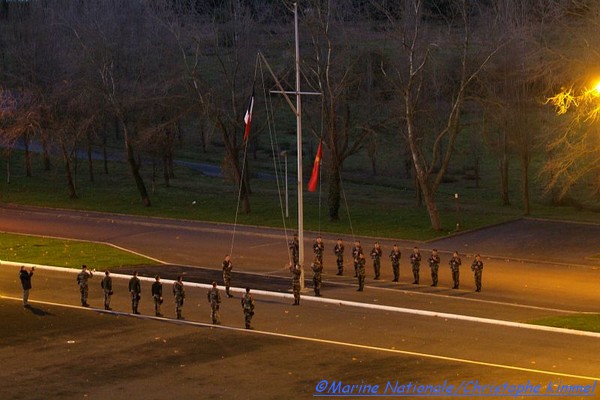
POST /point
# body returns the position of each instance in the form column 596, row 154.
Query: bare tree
column 349, row 85
column 428, row 50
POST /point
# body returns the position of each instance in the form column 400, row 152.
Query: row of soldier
column 376, row 254
column 135, row 290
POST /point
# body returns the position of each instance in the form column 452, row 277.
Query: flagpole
column 299, row 147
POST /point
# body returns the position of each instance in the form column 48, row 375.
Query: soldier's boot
column 228, row 294
column 178, row 314
column 318, row 292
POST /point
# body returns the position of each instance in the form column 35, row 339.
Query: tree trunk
column 8, row 166
column 69, row 172
column 90, row 159
column 504, row 171
column 166, row 173
column 134, row 167
column 333, row 198
column 525, row 178
column 46, row 153
column 27, row 155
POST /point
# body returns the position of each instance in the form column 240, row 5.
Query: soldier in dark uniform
column 339, row 253
column 361, row 272
column 106, row 286
column 434, row 264
column 317, row 268
column 395, row 258
column 455, row 263
column 477, row 268
column 356, row 251
column 248, row 307
column 296, row 274
column 227, row 267
column 318, row 249
column 135, row 290
column 157, row 295
column 294, row 246
column 82, row 281
column 179, row 293
column 214, row 298
column 376, row 253
column 25, row 277
column 415, row 261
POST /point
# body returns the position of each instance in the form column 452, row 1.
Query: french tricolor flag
column 248, row 117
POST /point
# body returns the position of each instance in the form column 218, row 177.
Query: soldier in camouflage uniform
column 339, row 253
column 214, row 298
column 248, row 307
column 434, row 264
column 318, row 249
column 135, row 289
column 157, row 295
column 296, row 274
column 227, row 267
column 477, row 268
column 361, row 272
column 317, row 268
column 356, row 251
column 455, row 263
column 415, row 261
column 294, row 246
column 179, row 293
column 395, row 258
column 82, row 281
column 106, row 286
column 376, row 253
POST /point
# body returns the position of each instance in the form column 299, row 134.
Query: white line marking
column 324, row 341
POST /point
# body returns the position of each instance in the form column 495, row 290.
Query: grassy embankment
column 65, row 253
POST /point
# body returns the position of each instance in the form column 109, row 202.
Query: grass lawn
column 65, row 253
column 582, row 322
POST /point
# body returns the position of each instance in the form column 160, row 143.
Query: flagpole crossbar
column 296, row 93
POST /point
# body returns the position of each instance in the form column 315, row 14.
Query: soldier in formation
column 82, row 281
column 296, row 274
column 376, row 253
column 317, row 268
column 455, row 263
column 25, row 278
column 356, row 251
column 434, row 264
column 339, row 253
column 360, row 271
column 477, row 268
column 248, row 307
column 415, row 262
column 135, row 290
column 294, row 246
column 227, row 268
column 318, row 249
column 157, row 295
column 395, row 258
column 214, row 298
column 179, row 294
column 106, row 285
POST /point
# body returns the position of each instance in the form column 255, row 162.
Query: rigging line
column 346, row 204
column 237, row 208
column 276, row 155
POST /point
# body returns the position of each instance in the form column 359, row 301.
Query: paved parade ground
column 388, row 340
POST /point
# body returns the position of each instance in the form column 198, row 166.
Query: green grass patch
column 583, row 322
column 65, row 253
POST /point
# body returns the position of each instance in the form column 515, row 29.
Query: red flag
column 248, row 117
column 314, row 178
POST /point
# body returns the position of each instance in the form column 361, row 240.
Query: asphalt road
column 68, row 352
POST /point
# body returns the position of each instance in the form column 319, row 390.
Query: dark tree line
column 74, row 74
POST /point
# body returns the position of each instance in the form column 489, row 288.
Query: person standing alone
column 25, row 277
